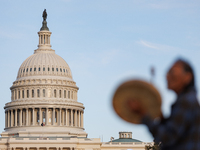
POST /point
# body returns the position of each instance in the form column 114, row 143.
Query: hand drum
column 141, row 91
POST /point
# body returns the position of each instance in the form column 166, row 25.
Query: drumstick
column 152, row 74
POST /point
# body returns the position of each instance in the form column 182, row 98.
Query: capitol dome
column 44, row 96
column 44, row 63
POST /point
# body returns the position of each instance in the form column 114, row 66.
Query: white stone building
column 44, row 113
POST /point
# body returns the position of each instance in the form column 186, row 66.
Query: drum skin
column 136, row 90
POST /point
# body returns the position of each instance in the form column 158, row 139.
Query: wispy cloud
column 158, row 47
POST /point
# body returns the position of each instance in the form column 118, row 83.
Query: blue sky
column 105, row 42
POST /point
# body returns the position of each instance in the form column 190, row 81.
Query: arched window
column 52, row 69
column 60, row 70
column 22, row 93
column 34, row 69
column 19, row 94
column 65, row 93
column 55, row 93
column 38, row 92
column 15, row 94
column 72, row 94
column 66, row 70
column 63, row 70
column 32, row 93
column 27, row 70
column 48, row 69
column 30, row 69
column 60, row 93
column 39, row 69
column 43, row 69
column 68, row 94
column 57, row 69
column 43, row 92
column 27, row 93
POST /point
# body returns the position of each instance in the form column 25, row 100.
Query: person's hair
column 187, row 68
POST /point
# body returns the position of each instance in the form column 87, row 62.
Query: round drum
column 143, row 92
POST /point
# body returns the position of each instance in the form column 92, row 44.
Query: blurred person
column 181, row 130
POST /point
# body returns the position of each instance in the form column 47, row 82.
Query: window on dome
column 15, row 94
column 48, row 69
column 43, row 92
column 34, row 69
column 27, row 94
column 24, row 70
column 65, row 93
column 72, row 95
column 66, row 70
column 32, row 93
column 68, row 94
column 22, row 93
column 30, row 69
column 43, row 69
column 39, row 69
column 60, row 70
column 57, row 69
column 55, row 93
column 63, row 70
column 60, row 93
column 38, row 92
column 27, row 70
column 52, row 69
column 18, row 94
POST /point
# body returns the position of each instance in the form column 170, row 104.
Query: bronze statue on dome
column 44, row 15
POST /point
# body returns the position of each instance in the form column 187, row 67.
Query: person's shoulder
column 189, row 97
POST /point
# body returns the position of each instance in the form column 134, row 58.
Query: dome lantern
column 44, row 34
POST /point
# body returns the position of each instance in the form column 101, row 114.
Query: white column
column 82, row 119
column 39, row 39
column 46, row 119
column 15, row 117
column 33, row 117
column 27, row 117
column 75, row 117
column 24, row 118
column 53, row 119
column 60, row 111
column 66, row 118
column 63, row 118
column 8, row 118
column 72, row 117
column 79, row 118
column 12, row 118
column 40, row 115
column 20, row 117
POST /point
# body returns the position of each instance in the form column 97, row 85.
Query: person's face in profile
column 177, row 78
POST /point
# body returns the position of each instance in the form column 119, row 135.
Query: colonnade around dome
column 47, row 116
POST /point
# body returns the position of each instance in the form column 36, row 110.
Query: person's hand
column 136, row 107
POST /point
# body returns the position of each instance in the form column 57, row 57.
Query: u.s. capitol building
column 44, row 113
